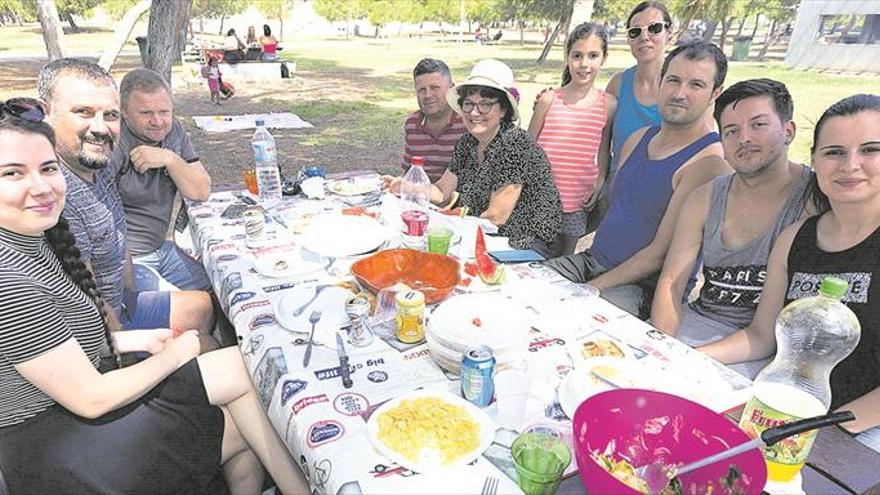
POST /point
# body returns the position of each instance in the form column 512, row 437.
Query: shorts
column 574, row 224
column 144, row 310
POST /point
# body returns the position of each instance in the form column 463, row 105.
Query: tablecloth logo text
column 324, row 432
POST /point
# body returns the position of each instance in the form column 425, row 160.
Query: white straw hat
column 493, row 74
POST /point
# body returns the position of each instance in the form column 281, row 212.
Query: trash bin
column 142, row 46
column 741, row 45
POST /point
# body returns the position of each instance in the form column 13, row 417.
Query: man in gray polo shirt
column 154, row 160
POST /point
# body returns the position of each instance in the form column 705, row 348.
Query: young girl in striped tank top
column 570, row 124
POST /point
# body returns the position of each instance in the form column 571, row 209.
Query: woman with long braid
column 172, row 423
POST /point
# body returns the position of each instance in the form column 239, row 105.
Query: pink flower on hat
column 513, row 92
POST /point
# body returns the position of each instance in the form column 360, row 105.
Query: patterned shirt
column 512, row 157
column 94, row 212
column 436, row 151
column 40, row 309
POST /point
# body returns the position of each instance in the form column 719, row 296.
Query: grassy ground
column 356, row 92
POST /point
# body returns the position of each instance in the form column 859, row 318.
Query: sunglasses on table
column 482, row 107
column 654, row 28
column 24, row 108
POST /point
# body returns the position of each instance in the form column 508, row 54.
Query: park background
column 353, row 59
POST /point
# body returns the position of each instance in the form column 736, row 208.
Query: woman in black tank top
column 843, row 240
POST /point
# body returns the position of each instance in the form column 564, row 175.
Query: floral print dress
column 512, row 157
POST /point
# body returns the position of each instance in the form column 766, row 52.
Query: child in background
column 212, row 73
column 572, row 124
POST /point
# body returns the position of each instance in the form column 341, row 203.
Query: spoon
column 313, row 319
column 658, row 475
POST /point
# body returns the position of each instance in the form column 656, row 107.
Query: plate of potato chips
column 428, row 431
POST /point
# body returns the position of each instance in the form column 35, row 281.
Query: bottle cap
column 417, row 161
column 260, row 122
column 833, row 287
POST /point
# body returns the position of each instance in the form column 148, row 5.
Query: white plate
column 297, row 262
column 331, row 302
column 468, row 320
column 355, row 187
column 603, row 345
column 487, row 432
column 580, row 384
column 344, row 235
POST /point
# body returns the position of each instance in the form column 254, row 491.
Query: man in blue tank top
column 660, row 166
column 733, row 221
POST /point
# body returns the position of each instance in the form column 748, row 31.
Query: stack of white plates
column 471, row 320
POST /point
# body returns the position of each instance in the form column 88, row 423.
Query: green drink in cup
column 540, row 458
column 438, row 240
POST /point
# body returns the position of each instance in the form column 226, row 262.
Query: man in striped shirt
column 431, row 131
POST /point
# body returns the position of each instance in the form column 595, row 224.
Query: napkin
column 313, row 187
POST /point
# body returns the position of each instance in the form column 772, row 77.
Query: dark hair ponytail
column 63, row 244
column 582, row 32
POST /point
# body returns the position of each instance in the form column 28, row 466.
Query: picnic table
column 324, row 424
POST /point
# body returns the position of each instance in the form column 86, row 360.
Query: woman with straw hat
column 497, row 170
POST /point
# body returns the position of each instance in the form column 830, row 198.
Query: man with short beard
column 432, row 131
column 659, row 167
column 83, row 108
column 732, row 222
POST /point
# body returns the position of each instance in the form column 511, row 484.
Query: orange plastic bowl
column 435, row 275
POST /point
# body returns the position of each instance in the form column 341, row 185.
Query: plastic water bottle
column 414, row 190
column 813, row 334
column 266, row 164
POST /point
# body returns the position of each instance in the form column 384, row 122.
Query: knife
column 343, row 362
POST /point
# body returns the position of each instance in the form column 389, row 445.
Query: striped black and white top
column 40, row 308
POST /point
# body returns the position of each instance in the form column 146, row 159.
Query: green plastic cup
column 438, row 240
column 540, row 459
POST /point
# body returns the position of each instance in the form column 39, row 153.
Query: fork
column 318, row 288
column 490, row 486
column 313, row 319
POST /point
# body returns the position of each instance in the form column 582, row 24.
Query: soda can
column 415, row 222
column 358, row 308
column 477, row 370
column 410, row 316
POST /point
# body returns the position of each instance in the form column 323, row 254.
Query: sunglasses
column 24, row 108
column 654, row 29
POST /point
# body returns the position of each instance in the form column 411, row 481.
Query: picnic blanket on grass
column 225, row 123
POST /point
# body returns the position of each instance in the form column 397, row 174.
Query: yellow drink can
column 410, row 316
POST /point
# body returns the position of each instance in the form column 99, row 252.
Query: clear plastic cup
column 439, row 239
column 511, row 396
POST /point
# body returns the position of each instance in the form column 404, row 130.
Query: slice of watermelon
column 489, row 272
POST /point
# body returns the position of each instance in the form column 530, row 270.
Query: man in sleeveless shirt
column 733, row 221
column 83, row 109
column 431, row 131
column 660, row 167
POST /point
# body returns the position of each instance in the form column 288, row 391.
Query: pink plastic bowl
column 691, row 432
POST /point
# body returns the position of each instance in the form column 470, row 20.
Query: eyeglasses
column 24, row 108
column 482, row 107
column 654, row 29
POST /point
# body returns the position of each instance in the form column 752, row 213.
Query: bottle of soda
column 266, row 164
column 414, row 195
column 813, row 334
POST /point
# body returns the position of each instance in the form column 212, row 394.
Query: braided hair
column 63, row 244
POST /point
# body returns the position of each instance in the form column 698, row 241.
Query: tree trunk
column 768, row 40
column 742, row 22
column 725, row 28
column 222, row 20
column 550, row 40
column 201, row 25
column 123, row 31
column 280, row 29
column 182, row 28
column 70, row 20
column 522, row 35
column 53, row 35
column 167, row 18
column 757, row 22
column 710, row 31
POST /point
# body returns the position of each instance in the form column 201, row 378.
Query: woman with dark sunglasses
column 636, row 88
column 74, row 422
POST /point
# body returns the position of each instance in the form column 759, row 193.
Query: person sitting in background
column 733, row 221
column 431, row 131
column 497, row 169
column 83, row 110
column 269, row 45
column 172, row 423
column 842, row 241
column 233, row 48
column 251, row 39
